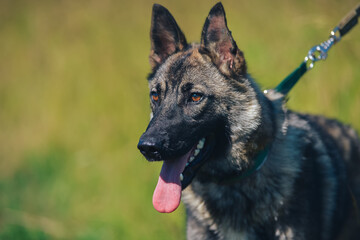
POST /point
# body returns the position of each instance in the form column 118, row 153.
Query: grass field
column 74, row 101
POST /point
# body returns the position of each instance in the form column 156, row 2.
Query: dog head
column 203, row 104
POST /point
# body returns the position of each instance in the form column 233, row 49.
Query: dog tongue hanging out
column 176, row 174
column 213, row 128
column 167, row 194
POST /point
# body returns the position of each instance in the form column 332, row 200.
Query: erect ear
column 166, row 36
column 217, row 42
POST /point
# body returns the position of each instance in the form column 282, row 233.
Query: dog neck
column 258, row 162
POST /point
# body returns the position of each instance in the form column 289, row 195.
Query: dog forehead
column 188, row 66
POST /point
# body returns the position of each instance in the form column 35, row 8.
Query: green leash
column 319, row 52
column 289, row 82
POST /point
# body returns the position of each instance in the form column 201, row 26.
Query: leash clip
column 319, row 52
column 335, row 34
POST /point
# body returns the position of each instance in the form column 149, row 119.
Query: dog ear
column 217, row 42
column 166, row 36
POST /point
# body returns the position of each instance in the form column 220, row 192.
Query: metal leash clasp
column 319, row 52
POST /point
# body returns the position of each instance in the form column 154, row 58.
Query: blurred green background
column 74, row 101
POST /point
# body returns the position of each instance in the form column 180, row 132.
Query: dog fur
column 308, row 187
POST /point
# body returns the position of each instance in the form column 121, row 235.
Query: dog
column 244, row 165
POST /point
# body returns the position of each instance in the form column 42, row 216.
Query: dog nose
column 150, row 149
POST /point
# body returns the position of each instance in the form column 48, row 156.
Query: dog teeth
column 197, row 151
column 181, row 177
column 201, row 144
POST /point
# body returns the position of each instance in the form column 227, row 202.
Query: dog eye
column 196, row 97
column 154, row 96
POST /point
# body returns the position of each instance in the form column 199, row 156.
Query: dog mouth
column 177, row 174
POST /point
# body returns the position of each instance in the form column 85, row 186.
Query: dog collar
column 259, row 161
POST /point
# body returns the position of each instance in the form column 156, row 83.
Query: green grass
column 74, row 101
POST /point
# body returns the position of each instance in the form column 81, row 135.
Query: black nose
column 150, row 149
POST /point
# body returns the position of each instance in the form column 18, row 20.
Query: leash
column 319, row 52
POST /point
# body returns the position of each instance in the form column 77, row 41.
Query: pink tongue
column 167, row 194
